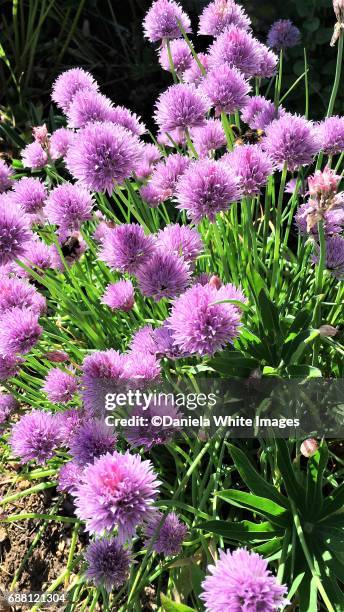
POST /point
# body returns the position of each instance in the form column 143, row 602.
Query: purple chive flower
column 267, row 63
column 226, row 88
column 241, row 580
column 14, row 233
column 150, row 156
column 56, row 356
column 194, row 74
column 91, row 440
column 60, row 140
column 206, row 188
column 251, row 166
column 152, row 435
column 68, row 422
column 283, row 34
column 334, row 256
column 68, row 206
column 238, row 49
column 199, row 325
column 164, row 342
column 219, row 15
column 116, row 491
column 141, row 370
column 143, row 341
column 126, row 247
column 103, row 372
column 9, row 366
column 161, row 21
column 60, row 386
column 331, row 133
column 180, row 240
column 260, row 112
column 37, row 256
column 102, row 155
column 291, row 140
column 162, row 184
column 35, row 436
column 180, row 106
column 209, row 138
column 19, row 331
column 69, row 83
column 88, row 106
column 165, row 275
column 181, row 56
column 34, row 156
column 69, row 477
column 6, row 175
column 17, row 293
column 333, row 219
column 165, row 534
column 124, row 117
column 8, row 404
column 120, row 295
column 30, row 194
column 108, row 563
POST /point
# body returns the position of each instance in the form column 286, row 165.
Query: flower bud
column 215, row 282
column 328, row 331
column 40, row 134
column 309, row 447
column 56, row 356
column 338, row 7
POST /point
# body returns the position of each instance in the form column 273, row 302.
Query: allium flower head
column 116, row 491
column 161, row 21
column 40, row 134
column 194, row 74
column 152, row 435
column 120, row 295
column 238, row 49
column 162, row 184
column 143, row 341
column 69, row 83
column 8, row 404
column 150, row 156
column 30, row 194
column 240, row 580
column 15, row 292
column 14, row 233
column 181, row 56
column 209, row 138
column 59, row 142
column 180, row 240
column 226, row 88
column 333, row 220
column 180, row 106
column 19, row 331
column 87, row 106
column 219, row 15
column 165, row 345
column 252, row 167
column 141, row 370
column 126, row 247
column 102, row 155
column 124, row 117
column 199, row 325
column 268, row 62
column 103, row 372
column 60, row 386
column 91, row 440
column 323, row 183
column 35, row 436
column 38, row 256
column 331, row 133
column 68, row 422
column 5, row 176
column 206, row 188
column 283, row 34
column 260, row 112
column 68, row 206
column 108, row 564
column 9, row 366
column 334, row 256
column 34, row 156
column 165, row 275
column 69, row 477
column 291, row 140
column 165, row 534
